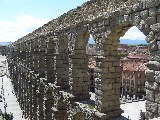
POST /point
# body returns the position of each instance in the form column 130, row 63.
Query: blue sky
column 20, row 17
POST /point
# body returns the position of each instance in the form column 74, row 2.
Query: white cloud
column 134, row 34
column 12, row 31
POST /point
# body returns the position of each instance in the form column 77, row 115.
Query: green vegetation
column 91, row 106
column 133, row 45
column 121, row 55
column 6, row 116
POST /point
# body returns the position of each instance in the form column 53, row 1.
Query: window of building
column 127, row 88
column 139, row 75
column 124, row 81
column 132, row 88
column 139, row 90
column 92, row 77
column 128, row 81
column 138, row 82
column 91, row 82
column 132, row 82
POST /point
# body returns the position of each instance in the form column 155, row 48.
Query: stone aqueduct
column 48, row 67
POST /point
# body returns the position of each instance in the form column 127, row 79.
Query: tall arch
column 108, row 63
column 41, row 64
column 62, row 66
column 49, row 60
column 80, row 67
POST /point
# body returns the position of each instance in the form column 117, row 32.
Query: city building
column 133, row 77
column 91, row 52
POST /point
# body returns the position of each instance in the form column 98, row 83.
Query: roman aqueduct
column 48, row 67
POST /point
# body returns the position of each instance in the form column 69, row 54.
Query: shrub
column 6, row 116
column 91, row 106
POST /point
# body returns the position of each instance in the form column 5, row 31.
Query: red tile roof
column 134, row 66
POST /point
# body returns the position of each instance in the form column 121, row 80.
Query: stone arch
column 80, row 67
column 40, row 95
column 79, row 116
column 108, row 69
column 49, row 101
column 62, row 63
column 49, row 60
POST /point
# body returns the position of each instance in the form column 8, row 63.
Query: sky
column 20, row 17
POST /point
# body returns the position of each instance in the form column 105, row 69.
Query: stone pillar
column 60, row 110
column 35, row 98
column 49, row 61
column 78, row 67
column 49, row 102
column 107, row 75
column 26, row 96
column 107, row 86
column 62, row 64
column 30, row 55
column 40, row 96
column 31, row 114
column 35, row 55
column 23, row 91
column 20, row 88
column 41, row 64
column 152, row 86
column 27, row 83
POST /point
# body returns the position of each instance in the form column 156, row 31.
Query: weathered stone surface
column 158, row 44
column 153, row 65
column 144, row 14
column 149, row 75
column 151, row 20
column 151, row 106
column 155, row 27
column 150, row 95
column 159, row 109
column 157, row 97
column 150, row 37
column 151, row 85
column 152, row 45
column 151, row 3
column 155, row 56
column 157, row 76
column 149, row 115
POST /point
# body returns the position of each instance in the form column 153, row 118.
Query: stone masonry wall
column 48, row 67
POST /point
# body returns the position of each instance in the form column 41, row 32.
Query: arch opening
column 125, row 70
column 133, row 60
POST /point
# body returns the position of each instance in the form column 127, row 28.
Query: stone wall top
column 87, row 12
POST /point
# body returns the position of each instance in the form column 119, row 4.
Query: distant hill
column 127, row 41
column 5, row 43
column 123, row 41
